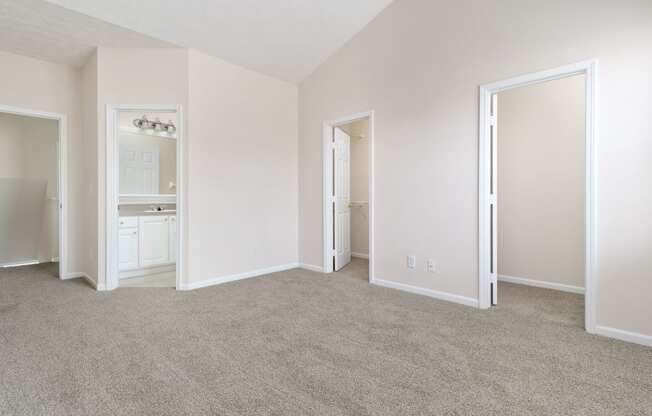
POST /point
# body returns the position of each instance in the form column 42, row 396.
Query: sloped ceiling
column 286, row 39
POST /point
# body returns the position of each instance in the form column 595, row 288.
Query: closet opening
column 143, row 199
column 348, row 196
column 537, row 198
column 32, row 191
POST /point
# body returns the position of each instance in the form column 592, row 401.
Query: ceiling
column 42, row 30
column 286, row 39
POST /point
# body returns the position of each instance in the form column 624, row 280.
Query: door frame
column 589, row 70
column 327, row 186
column 62, row 178
column 112, row 273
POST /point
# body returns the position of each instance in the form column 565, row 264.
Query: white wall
column 541, row 188
column 359, row 132
column 132, row 76
column 419, row 65
column 242, row 170
column 240, row 129
column 89, row 114
column 37, row 85
column 28, row 149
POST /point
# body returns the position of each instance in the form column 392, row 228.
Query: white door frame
column 62, row 177
column 62, row 186
column 327, row 217
column 589, row 70
column 112, row 273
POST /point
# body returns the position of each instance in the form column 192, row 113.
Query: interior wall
column 28, row 149
column 90, row 131
column 359, row 132
column 242, row 174
column 42, row 86
column 541, row 186
column 419, row 65
column 132, row 76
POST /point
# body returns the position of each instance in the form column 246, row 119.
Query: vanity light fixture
column 157, row 125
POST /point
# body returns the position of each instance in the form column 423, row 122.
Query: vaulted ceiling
column 286, row 39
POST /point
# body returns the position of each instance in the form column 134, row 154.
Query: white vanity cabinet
column 154, row 234
column 146, row 242
column 128, row 248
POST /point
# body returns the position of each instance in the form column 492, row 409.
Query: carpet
column 303, row 343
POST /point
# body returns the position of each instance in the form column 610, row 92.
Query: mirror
column 148, row 156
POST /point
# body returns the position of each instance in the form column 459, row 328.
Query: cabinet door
column 173, row 238
column 154, row 233
column 128, row 248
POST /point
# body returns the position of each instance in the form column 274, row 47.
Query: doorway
column 490, row 201
column 33, row 189
column 143, row 196
column 348, row 196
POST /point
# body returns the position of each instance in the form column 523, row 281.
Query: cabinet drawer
column 128, row 222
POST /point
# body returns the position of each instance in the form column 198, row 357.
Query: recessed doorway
column 348, row 196
column 33, row 226
column 580, row 170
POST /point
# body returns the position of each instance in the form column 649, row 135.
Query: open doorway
column 348, row 196
column 32, row 190
column 143, row 243
column 536, row 192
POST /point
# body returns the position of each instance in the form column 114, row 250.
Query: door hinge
column 493, row 120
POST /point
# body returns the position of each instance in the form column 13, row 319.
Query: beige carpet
column 301, row 343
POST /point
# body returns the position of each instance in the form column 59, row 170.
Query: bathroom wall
column 167, row 147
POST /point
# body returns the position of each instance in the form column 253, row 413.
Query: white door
column 173, row 238
column 342, row 193
column 128, row 248
column 154, row 245
column 493, row 200
column 139, row 167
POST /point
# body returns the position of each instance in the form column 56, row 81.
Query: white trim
column 540, row 283
column 327, row 187
column 589, row 69
column 21, row 263
column 626, row 336
column 360, row 255
column 239, row 276
column 62, row 177
column 82, row 275
column 449, row 297
column 112, row 274
column 311, row 267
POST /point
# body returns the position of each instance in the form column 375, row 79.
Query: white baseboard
column 626, row 336
column 77, row 275
column 541, row 284
column 239, row 276
column 32, row 262
column 312, row 267
column 360, row 255
column 427, row 292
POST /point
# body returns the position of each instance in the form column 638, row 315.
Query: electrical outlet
column 411, row 262
column 431, row 266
